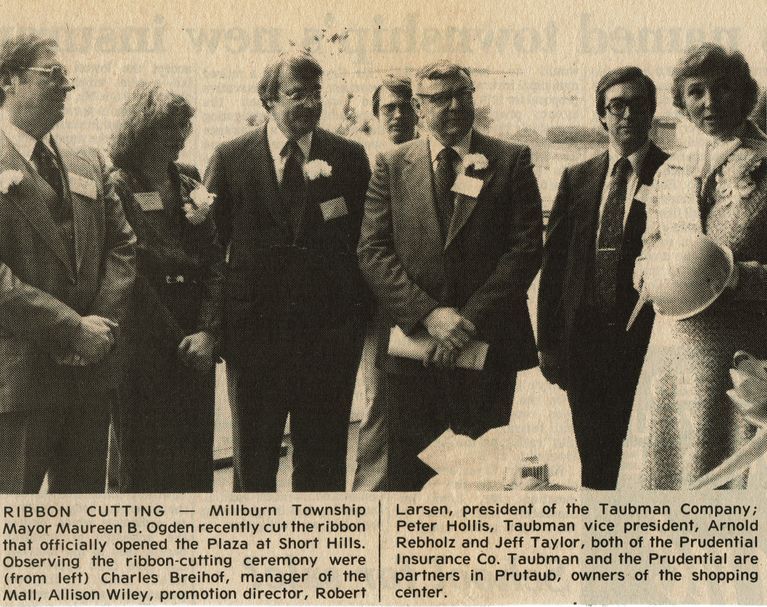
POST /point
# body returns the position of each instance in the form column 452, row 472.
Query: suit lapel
column 465, row 205
column 32, row 197
column 71, row 163
column 317, row 190
column 420, row 208
column 265, row 185
column 592, row 196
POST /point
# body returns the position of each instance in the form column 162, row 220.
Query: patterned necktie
column 444, row 178
column 293, row 185
column 611, row 236
column 48, row 168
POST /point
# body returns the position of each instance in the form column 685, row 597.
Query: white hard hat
column 685, row 275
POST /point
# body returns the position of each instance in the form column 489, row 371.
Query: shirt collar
column 21, row 140
column 277, row 140
column 636, row 159
column 462, row 147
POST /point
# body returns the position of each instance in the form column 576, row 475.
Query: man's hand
column 449, row 328
column 196, row 351
column 94, row 339
column 440, row 356
column 551, row 369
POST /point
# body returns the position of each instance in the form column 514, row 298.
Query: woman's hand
column 196, row 351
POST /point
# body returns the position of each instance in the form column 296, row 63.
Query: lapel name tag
column 333, row 209
column 643, row 193
column 149, row 201
column 468, row 186
column 82, row 186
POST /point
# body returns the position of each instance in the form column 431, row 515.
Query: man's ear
column 416, row 103
column 8, row 84
column 603, row 123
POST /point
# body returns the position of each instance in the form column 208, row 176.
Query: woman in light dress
column 683, row 424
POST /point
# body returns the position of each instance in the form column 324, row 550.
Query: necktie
column 293, row 185
column 611, row 236
column 444, row 178
column 48, row 168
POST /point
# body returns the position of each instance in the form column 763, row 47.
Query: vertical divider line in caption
column 379, row 550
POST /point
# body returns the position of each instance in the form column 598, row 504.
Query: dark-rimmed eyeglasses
column 463, row 95
column 55, row 73
column 301, row 95
column 618, row 107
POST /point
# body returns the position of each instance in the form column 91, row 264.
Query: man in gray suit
column 451, row 240
column 66, row 271
column 394, row 110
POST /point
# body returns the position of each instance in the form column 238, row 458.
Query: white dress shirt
column 23, row 141
column 277, row 140
column 462, row 148
column 636, row 159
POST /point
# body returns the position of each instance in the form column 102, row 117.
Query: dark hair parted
column 399, row 85
column 707, row 58
column 149, row 106
column 628, row 73
column 19, row 53
column 300, row 63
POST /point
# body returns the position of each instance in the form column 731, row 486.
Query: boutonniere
column 735, row 181
column 317, row 168
column 200, row 200
column 478, row 162
column 10, row 178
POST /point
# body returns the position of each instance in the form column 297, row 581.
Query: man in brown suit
column 451, row 240
column 66, row 270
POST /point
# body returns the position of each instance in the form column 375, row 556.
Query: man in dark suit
column 289, row 207
column 67, row 265
column 586, row 296
column 451, row 241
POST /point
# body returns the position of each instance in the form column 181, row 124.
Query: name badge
column 333, row 209
column 643, row 193
column 468, row 186
column 82, row 185
column 149, row 201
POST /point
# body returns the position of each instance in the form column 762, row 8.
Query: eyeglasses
column 56, row 73
column 442, row 99
column 617, row 107
column 301, row 96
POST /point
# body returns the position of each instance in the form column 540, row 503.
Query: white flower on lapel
column 10, row 178
column 735, row 181
column 197, row 210
column 317, row 168
column 477, row 161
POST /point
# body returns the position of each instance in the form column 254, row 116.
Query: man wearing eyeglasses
column 66, row 271
column 289, row 205
column 451, row 241
column 593, row 237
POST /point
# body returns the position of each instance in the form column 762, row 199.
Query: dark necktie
column 293, row 185
column 611, row 236
column 48, row 168
column 444, row 178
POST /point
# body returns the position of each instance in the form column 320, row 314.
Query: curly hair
column 19, row 53
column 149, row 106
column 709, row 57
